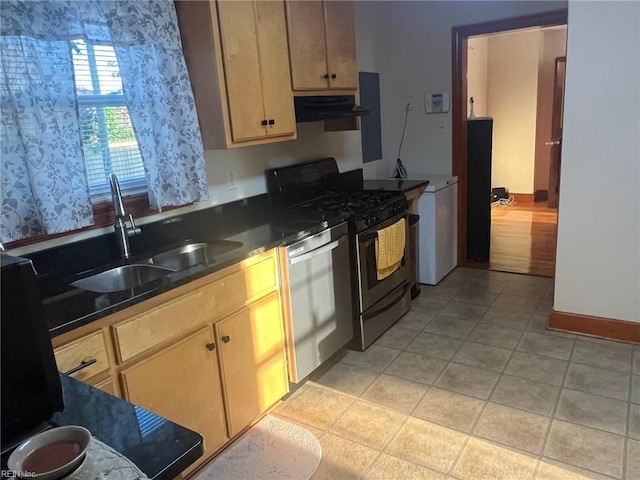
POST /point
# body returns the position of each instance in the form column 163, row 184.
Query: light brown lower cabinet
column 252, row 360
column 108, row 386
column 209, row 356
column 182, row 384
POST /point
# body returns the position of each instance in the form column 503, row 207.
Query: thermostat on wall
column 436, row 102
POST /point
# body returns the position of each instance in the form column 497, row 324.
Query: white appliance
column 438, row 229
column 320, row 300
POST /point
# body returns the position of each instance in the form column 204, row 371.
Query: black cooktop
column 318, row 187
column 356, row 203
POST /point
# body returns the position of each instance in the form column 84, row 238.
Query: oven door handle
column 318, row 251
column 389, row 302
column 367, row 237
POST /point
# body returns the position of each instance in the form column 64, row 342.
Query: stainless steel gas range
column 318, row 188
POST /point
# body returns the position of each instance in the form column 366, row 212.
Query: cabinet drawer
column 210, row 302
column 232, row 292
column 85, row 349
column 160, row 324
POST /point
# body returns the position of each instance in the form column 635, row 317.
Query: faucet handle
column 134, row 230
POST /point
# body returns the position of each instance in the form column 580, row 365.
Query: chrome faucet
column 122, row 231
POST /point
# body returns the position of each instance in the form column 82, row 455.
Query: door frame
column 556, row 131
column 459, row 37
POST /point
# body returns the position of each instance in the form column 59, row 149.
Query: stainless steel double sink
column 157, row 266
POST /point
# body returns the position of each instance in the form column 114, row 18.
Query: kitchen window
column 108, row 140
column 86, row 89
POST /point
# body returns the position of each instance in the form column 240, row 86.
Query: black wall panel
column 370, row 127
column 479, row 144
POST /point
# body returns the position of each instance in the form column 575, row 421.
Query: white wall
column 250, row 163
column 413, row 55
column 512, row 77
column 477, row 64
column 598, row 256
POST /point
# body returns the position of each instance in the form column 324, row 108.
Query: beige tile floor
column 470, row 385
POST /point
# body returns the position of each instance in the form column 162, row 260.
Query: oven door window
column 369, row 248
column 373, row 290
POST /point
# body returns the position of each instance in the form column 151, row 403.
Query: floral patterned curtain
column 158, row 91
column 44, row 186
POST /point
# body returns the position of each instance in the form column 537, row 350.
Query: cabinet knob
column 333, row 75
column 325, row 76
column 264, row 123
column 272, row 121
column 226, row 339
column 211, row 346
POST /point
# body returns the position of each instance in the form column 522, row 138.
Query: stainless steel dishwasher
column 319, row 298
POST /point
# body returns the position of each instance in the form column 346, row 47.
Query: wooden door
column 252, row 361
column 556, row 133
column 182, row 383
column 307, row 50
column 274, row 66
column 341, row 45
column 242, row 69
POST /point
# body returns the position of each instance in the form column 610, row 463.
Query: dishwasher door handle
column 318, row 251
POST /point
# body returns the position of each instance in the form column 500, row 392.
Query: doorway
column 522, row 234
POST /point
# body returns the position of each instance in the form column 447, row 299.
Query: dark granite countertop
column 160, row 448
column 394, row 184
column 253, row 222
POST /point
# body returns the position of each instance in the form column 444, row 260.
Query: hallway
column 523, row 239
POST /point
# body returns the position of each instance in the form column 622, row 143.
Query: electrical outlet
column 231, row 180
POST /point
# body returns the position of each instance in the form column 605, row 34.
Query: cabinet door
column 274, row 66
column 108, row 386
column 252, row 359
column 341, row 45
column 182, row 383
column 307, row 51
column 242, row 69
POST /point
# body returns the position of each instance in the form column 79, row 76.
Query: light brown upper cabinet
column 322, row 46
column 236, row 54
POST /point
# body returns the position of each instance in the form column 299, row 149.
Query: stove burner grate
column 355, row 202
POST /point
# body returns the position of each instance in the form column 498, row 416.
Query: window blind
column 108, row 139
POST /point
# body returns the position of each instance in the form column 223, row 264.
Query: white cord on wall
column 404, row 128
column 400, row 171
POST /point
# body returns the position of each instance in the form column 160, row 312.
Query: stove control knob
column 371, row 220
column 397, row 209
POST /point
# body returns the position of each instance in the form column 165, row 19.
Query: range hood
column 316, row 108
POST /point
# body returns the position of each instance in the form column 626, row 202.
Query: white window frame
column 101, row 192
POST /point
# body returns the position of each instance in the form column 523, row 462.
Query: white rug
column 273, row 449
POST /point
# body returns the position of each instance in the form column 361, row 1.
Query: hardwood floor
column 523, row 239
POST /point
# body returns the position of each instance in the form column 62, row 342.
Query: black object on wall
column 370, row 127
column 31, row 389
column 479, row 144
